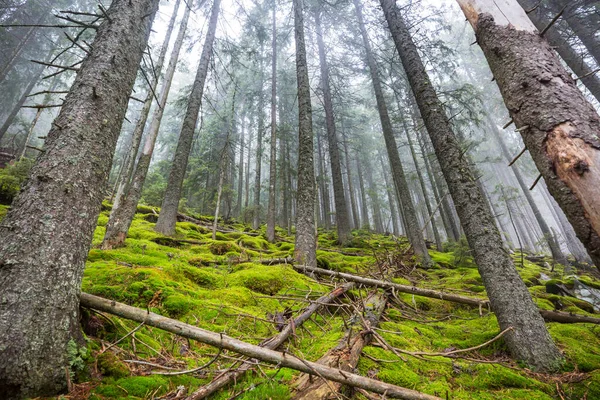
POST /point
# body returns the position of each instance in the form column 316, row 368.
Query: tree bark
column 305, row 251
column 529, row 341
column 413, row 229
column 271, row 208
column 121, row 218
column 559, row 127
column 259, row 138
column 272, row 343
column 168, row 213
column 345, row 354
column 341, row 206
column 47, row 233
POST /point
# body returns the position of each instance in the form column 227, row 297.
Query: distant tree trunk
column 413, row 230
column 351, row 191
column 126, row 172
column 563, row 48
column 323, row 186
column 47, row 233
column 121, row 217
column 390, row 194
column 15, row 110
column 374, row 196
column 241, row 175
column 559, row 127
column 271, row 212
column 341, row 206
column 222, row 173
column 259, row 139
column 305, row 251
column 14, row 56
column 168, row 213
column 364, row 207
column 529, row 341
column 247, row 183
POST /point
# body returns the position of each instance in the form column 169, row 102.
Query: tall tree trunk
column 559, row 127
column 562, row 47
column 413, row 230
column 241, row 175
column 14, row 56
column 529, row 340
column 323, row 187
column 47, row 233
column 259, row 138
column 126, row 172
column 305, row 251
column 15, row 110
column 168, row 213
column 341, row 206
column 121, row 218
column 351, row 191
column 364, row 207
column 390, row 194
column 374, row 196
column 271, row 211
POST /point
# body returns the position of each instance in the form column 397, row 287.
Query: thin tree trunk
column 323, row 189
column 390, row 194
column 126, row 172
column 364, row 208
column 121, row 218
column 223, row 170
column 529, row 341
column 271, row 208
column 559, row 127
column 341, row 206
column 14, row 56
column 259, row 139
column 241, row 174
column 413, row 229
column 168, row 213
column 351, row 190
column 305, row 251
column 47, row 233
column 373, row 195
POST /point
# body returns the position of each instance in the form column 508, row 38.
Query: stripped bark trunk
column 126, row 172
column 341, row 206
column 47, row 233
column 345, row 355
column 271, row 208
column 168, row 213
column 305, row 251
column 559, row 127
column 529, row 341
column 272, row 343
column 116, row 231
column 285, row 360
column 413, row 229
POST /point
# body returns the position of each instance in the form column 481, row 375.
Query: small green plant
column 77, row 356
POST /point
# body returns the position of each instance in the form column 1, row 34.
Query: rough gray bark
column 413, row 229
column 259, row 138
column 168, row 213
column 305, row 251
column 559, row 127
column 529, row 340
column 47, row 233
column 563, row 48
column 271, row 208
column 116, row 231
column 341, row 206
column 126, row 172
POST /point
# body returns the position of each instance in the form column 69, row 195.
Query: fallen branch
column 273, row 343
column 345, row 354
column 567, row 318
column 187, row 218
column 396, row 286
column 279, row 359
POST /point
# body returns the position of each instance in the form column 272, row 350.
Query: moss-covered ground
column 220, row 286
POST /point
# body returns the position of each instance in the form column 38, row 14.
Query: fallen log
column 345, row 354
column 434, row 294
column 272, row 343
column 225, row 342
column 567, row 318
column 208, row 225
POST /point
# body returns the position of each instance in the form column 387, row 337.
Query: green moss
column 110, row 365
column 3, row 211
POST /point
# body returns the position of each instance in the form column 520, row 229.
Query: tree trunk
column 364, row 208
column 529, row 341
column 559, row 127
column 241, row 175
column 413, row 229
column 305, row 251
column 390, row 194
column 126, row 172
column 341, row 206
column 47, row 233
column 351, row 191
column 121, row 218
column 271, row 209
column 325, row 211
column 259, row 138
column 14, row 56
column 374, row 196
column 563, row 48
column 168, row 213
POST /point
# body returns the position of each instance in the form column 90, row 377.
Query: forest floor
column 207, row 283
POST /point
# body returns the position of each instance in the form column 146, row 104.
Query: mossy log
column 225, row 342
column 434, row 294
column 345, row 354
column 182, row 217
column 272, row 343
